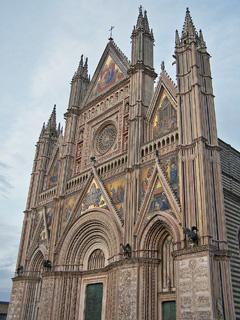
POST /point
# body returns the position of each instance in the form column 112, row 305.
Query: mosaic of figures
column 116, row 191
column 67, row 209
column 37, row 218
column 92, row 199
column 110, row 75
column 49, row 216
column 165, row 119
column 159, row 202
column 53, row 174
column 43, row 236
column 170, row 167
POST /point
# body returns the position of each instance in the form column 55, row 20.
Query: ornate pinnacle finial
column 202, row 42
column 85, row 69
column 140, row 22
column 51, row 125
column 177, row 39
column 188, row 27
column 162, row 66
column 146, row 25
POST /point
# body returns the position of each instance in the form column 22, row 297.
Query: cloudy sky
column 41, row 45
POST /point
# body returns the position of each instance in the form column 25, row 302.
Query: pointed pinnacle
column 80, row 68
column 140, row 23
column 51, row 125
column 43, row 130
column 202, row 42
column 177, row 40
column 146, row 24
column 85, row 73
column 188, row 26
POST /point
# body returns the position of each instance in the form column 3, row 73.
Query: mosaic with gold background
column 92, row 199
column 110, row 74
column 116, row 191
column 54, row 172
column 67, row 209
column 165, row 119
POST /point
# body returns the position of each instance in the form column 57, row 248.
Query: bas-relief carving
column 46, row 299
column 194, row 290
column 127, row 294
column 15, row 303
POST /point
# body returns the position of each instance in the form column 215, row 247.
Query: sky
column 41, row 45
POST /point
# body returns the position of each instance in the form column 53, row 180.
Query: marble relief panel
column 194, row 288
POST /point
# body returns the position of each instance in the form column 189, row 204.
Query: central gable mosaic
column 111, row 73
column 92, row 199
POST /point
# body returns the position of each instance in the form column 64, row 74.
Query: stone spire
column 79, row 84
column 188, row 27
column 80, row 70
column 52, row 125
column 142, row 23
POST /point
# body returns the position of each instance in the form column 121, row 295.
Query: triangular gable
column 93, row 196
column 111, row 70
column 92, row 199
column 159, row 199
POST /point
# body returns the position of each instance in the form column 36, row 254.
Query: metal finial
column 111, row 29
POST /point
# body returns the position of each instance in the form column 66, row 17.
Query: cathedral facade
column 133, row 213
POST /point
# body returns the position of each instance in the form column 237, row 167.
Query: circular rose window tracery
column 106, row 138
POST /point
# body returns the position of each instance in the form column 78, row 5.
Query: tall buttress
column 199, row 158
column 44, row 148
column 199, row 152
column 142, row 81
column 79, row 86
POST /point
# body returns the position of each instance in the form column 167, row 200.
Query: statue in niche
column 81, row 135
column 79, row 152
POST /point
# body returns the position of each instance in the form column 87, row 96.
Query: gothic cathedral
column 134, row 211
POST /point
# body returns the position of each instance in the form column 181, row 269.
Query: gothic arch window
column 96, row 260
